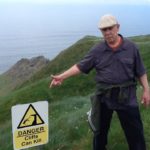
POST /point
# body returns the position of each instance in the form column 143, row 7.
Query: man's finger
column 51, row 83
column 52, row 76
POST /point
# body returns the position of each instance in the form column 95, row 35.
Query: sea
column 28, row 31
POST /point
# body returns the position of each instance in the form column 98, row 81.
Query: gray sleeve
column 139, row 65
column 87, row 63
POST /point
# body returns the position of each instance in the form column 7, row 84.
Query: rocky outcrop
column 24, row 69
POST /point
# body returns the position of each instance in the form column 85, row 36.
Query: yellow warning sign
column 30, row 137
column 30, row 118
column 30, row 125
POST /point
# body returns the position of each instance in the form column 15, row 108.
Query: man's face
column 110, row 33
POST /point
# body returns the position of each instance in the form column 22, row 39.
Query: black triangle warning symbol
column 30, row 118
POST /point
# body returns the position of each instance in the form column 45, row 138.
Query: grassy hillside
column 37, row 87
column 69, row 129
column 68, row 103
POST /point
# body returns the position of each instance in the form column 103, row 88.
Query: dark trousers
column 131, row 123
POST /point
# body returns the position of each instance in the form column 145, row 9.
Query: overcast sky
column 133, row 2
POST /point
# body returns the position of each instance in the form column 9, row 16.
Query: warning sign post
column 30, row 124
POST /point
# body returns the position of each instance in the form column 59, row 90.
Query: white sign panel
column 30, row 124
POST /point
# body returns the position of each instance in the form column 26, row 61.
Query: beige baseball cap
column 107, row 20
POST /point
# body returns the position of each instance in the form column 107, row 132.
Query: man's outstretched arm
column 58, row 79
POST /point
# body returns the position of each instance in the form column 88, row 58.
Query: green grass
column 69, row 129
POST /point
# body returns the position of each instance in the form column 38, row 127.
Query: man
column 118, row 65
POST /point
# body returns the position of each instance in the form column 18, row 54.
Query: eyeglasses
column 108, row 28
